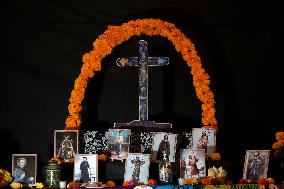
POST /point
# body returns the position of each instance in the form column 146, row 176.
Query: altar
column 132, row 149
column 234, row 186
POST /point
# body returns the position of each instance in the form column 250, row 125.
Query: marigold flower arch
column 115, row 35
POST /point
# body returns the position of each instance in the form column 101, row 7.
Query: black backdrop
column 41, row 48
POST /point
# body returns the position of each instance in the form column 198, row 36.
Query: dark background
column 42, row 44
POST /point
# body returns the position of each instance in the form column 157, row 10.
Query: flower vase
column 52, row 174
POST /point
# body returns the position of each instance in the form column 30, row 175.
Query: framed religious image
column 24, row 168
column 204, row 138
column 86, row 168
column 65, row 144
column 137, row 168
column 256, row 164
column 166, row 142
column 192, row 163
column 118, row 143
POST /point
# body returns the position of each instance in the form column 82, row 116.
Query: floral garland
column 115, row 35
column 278, row 145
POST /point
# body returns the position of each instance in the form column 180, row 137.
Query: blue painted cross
column 143, row 61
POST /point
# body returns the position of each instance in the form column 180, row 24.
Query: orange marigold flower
column 110, row 184
column 71, row 160
column 115, row 35
column 57, row 159
column 215, row 156
column 279, row 135
column 102, row 157
column 190, row 181
column 278, row 145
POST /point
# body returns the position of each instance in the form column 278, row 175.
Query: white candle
column 62, row 184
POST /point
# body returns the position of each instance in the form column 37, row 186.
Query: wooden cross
column 143, row 61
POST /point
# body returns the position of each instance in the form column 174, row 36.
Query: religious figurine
column 165, row 170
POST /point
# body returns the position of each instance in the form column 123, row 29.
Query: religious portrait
column 118, row 143
column 192, row 163
column 65, row 144
column 256, row 164
column 24, row 168
column 86, row 168
column 204, row 138
column 163, row 143
column 137, row 168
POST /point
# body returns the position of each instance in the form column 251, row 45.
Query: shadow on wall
column 8, row 146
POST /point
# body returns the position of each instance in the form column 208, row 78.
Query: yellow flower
column 39, row 185
column 215, row 156
column 270, row 180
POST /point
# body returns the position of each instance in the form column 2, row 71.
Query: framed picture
column 86, row 168
column 163, row 141
column 256, row 164
column 65, row 144
column 204, row 138
column 118, row 143
column 137, row 168
column 192, row 163
column 24, row 168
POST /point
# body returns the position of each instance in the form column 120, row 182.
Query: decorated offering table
column 133, row 152
column 233, row 186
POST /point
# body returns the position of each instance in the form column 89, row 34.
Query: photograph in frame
column 85, row 168
column 204, row 138
column 163, row 141
column 65, row 144
column 192, row 163
column 137, row 168
column 118, row 143
column 24, row 168
column 256, row 164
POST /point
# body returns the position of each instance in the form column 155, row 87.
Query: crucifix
column 136, row 171
column 142, row 62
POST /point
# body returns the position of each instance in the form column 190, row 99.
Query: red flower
column 243, row 181
column 206, row 181
column 128, row 183
column 229, row 182
column 262, row 181
column 152, row 182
